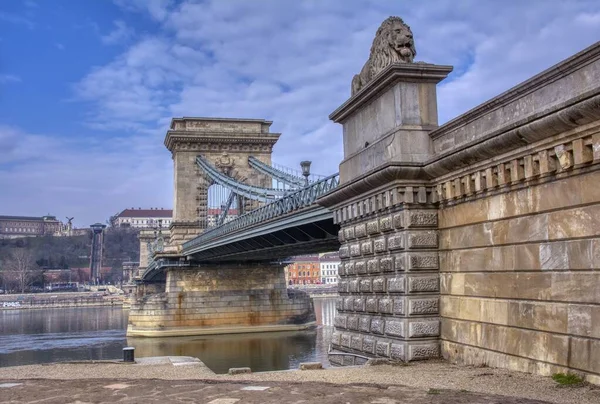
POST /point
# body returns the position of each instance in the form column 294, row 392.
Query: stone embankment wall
column 57, row 300
column 487, row 251
column 221, row 300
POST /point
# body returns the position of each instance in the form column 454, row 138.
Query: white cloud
column 292, row 62
column 157, row 9
column 9, row 78
column 16, row 19
column 81, row 177
column 121, row 33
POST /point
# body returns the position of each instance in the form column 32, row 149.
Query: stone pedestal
column 390, row 119
column 386, row 207
column 222, row 300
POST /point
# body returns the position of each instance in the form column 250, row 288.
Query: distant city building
column 27, row 226
column 80, row 275
column 329, row 264
column 213, row 214
column 303, row 270
column 143, row 218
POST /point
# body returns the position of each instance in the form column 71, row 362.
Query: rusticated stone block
column 342, row 270
column 367, row 248
column 360, row 267
column 335, row 338
column 359, row 304
column 353, row 286
column 428, row 328
column 397, row 351
column 343, row 287
column 336, row 360
column 385, row 306
column 340, row 321
column 373, row 266
column 396, row 285
column 398, row 221
column 365, row 285
column 423, row 306
column 355, row 250
column 341, row 236
column 373, row 227
column 422, row 218
column 350, row 268
column 356, row 342
column 428, row 283
column 379, row 285
column 339, row 303
column 344, row 252
column 386, row 264
column 352, row 323
column 360, row 230
column 394, row 328
column 377, row 325
column 398, row 306
column 385, row 223
column 382, row 348
column 380, row 245
column 345, row 340
column 371, row 305
column 349, row 233
column 348, row 303
column 423, row 351
column 399, row 263
column 421, row 239
column 364, row 324
column 395, row 242
column 423, row 261
column 369, row 345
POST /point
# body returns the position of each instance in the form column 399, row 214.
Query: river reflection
column 41, row 336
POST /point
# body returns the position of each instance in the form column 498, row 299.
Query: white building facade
column 143, row 218
column 329, row 264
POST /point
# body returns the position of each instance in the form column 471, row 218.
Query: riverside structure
column 477, row 240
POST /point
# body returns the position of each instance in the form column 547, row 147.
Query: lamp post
column 305, row 170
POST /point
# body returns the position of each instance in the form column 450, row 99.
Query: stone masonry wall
column 389, row 281
column 241, row 296
column 520, row 258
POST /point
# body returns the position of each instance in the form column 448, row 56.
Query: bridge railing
column 296, row 200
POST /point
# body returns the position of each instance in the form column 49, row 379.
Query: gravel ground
column 424, row 376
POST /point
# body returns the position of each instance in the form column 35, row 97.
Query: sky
column 88, row 88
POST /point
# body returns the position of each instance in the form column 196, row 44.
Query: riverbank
column 434, row 381
column 58, row 300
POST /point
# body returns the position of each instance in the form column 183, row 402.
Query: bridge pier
column 221, row 299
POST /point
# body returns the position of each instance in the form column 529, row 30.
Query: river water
column 71, row 334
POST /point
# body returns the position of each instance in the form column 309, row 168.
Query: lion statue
column 393, row 43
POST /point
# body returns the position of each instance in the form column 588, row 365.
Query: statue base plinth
column 389, row 120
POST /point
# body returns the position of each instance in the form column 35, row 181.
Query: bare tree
column 20, row 268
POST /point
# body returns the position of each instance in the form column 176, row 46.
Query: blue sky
column 87, row 88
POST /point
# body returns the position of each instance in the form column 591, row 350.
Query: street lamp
column 305, row 170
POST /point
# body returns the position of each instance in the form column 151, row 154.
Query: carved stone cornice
column 174, row 140
column 564, row 68
column 372, row 180
column 575, row 115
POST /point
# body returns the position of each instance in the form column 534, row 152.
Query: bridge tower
column 227, row 144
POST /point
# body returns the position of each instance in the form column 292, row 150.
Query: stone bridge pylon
column 225, row 143
column 196, row 298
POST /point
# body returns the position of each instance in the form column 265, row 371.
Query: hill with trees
column 34, row 254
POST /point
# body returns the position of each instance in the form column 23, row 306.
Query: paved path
column 216, row 392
